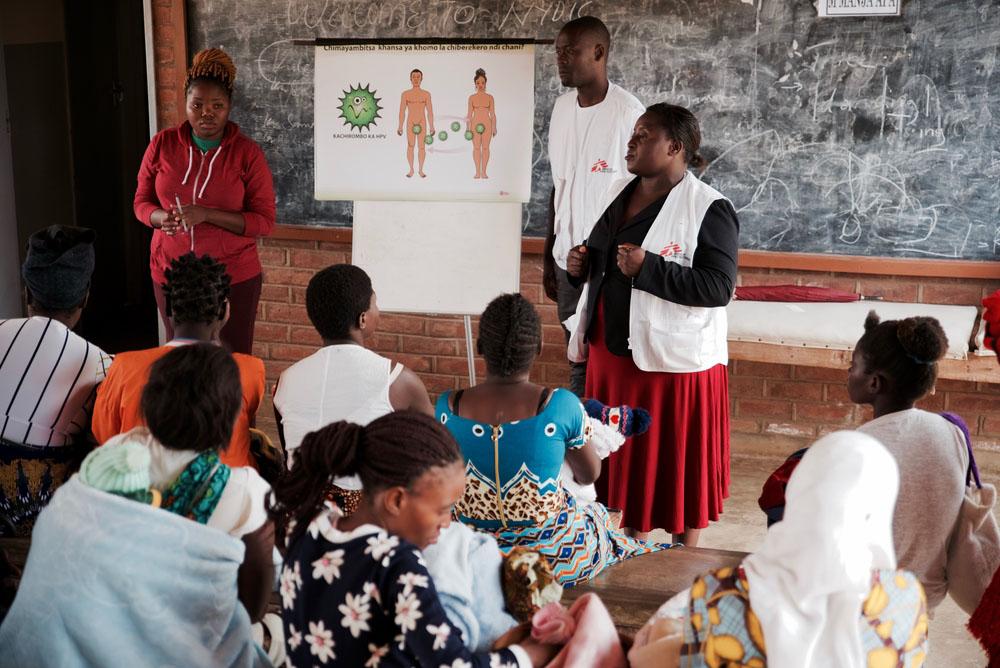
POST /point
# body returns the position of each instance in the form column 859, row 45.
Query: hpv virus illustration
column 359, row 107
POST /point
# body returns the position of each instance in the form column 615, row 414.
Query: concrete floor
column 743, row 526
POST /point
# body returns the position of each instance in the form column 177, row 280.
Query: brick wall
column 433, row 346
column 170, row 53
column 774, row 407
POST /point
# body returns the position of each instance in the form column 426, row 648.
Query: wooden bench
column 634, row 589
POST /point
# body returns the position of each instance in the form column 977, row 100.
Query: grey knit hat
column 59, row 265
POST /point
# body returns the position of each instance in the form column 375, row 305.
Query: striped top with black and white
column 48, row 381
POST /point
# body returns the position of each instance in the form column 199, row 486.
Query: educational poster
column 424, row 122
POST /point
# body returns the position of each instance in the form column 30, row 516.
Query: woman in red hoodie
column 206, row 187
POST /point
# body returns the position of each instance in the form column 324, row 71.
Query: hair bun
column 213, row 64
column 922, row 338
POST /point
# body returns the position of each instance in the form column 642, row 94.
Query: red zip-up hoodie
column 233, row 177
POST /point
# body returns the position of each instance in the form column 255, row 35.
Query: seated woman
column 343, row 380
column 49, row 376
column 514, row 436
column 355, row 590
column 197, row 294
column 156, row 551
column 822, row 590
column 895, row 365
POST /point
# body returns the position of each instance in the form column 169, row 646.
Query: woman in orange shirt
column 197, row 292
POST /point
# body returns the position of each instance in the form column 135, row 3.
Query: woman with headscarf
column 823, row 589
column 205, row 187
column 48, row 376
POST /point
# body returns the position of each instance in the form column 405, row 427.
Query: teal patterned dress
column 197, row 490
column 513, row 490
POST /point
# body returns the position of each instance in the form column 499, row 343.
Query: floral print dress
column 363, row 598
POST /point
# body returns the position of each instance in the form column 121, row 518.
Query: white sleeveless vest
column 664, row 336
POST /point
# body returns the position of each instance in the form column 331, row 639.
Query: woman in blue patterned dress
column 514, row 436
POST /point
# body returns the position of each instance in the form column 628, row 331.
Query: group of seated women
column 161, row 549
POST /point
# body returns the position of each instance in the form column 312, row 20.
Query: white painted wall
column 10, row 275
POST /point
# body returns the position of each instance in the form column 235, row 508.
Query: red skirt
column 676, row 475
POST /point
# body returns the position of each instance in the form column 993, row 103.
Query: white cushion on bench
column 838, row 326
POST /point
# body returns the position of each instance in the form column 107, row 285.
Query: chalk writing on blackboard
column 866, row 136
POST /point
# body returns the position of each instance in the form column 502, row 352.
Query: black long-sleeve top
column 708, row 282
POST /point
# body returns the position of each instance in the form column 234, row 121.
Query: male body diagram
column 416, row 110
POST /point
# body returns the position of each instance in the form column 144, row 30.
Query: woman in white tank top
column 343, row 380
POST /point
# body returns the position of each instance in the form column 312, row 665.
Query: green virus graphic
column 416, row 128
column 442, row 135
column 468, row 134
column 359, row 107
column 455, row 126
column 480, row 128
column 429, row 139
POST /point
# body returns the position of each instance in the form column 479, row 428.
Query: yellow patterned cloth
column 722, row 631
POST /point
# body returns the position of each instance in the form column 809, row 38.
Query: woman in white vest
column 660, row 267
column 343, row 380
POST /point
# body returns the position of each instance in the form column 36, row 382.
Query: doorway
column 78, row 132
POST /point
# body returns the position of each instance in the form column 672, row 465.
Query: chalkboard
column 876, row 136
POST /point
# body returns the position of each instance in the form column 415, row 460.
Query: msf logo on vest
column 671, row 249
column 601, row 167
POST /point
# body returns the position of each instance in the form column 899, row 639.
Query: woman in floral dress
column 355, row 591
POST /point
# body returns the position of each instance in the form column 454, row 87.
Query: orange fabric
column 116, row 409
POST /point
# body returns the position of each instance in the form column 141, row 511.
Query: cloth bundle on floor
column 113, row 582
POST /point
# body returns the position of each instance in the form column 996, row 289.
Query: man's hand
column 576, row 261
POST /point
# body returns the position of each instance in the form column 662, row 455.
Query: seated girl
column 343, row 380
column 895, row 365
column 197, row 294
column 514, row 436
column 155, row 553
column 822, row 590
column 355, row 590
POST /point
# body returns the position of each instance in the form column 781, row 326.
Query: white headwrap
column 812, row 574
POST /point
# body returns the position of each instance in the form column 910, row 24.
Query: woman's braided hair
column 510, row 335
column 905, row 352
column 393, row 451
column 212, row 66
column 196, row 289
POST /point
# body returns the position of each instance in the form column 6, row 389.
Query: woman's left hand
column 193, row 214
column 630, row 258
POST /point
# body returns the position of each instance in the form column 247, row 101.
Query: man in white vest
column 588, row 131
